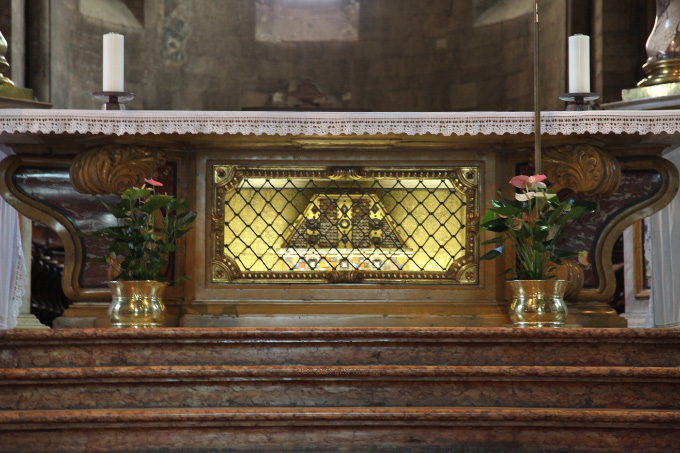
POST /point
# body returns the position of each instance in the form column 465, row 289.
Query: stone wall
column 410, row 55
column 620, row 30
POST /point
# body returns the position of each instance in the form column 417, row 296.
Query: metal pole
column 537, row 97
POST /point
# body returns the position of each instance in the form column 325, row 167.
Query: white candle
column 579, row 64
column 113, row 64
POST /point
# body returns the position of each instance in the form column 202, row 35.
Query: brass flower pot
column 537, row 303
column 137, row 304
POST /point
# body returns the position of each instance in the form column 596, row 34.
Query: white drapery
column 13, row 279
column 664, row 238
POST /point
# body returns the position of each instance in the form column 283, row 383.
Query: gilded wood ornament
column 615, row 226
column 572, row 272
column 52, row 217
column 111, row 169
column 581, row 168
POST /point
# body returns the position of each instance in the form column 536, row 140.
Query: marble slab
column 340, row 346
column 340, row 429
column 340, row 386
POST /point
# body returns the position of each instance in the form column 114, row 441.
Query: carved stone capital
column 114, row 168
column 581, row 168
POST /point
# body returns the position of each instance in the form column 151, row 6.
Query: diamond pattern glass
column 289, row 224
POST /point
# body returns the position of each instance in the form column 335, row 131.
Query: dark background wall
column 410, row 55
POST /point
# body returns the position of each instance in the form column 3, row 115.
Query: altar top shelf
column 155, row 122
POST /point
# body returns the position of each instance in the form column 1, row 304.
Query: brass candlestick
column 4, row 65
column 7, row 88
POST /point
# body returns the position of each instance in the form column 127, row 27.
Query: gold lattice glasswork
column 345, row 225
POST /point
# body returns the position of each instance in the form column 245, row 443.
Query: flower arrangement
column 533, row 225
column 149, row 225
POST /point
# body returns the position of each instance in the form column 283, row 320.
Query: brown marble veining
column 341, row 429
column 339, row 389
column 274, row 333
column 340, row 346
column 338, row 386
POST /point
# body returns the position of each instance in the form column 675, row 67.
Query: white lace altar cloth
column 334, row 123
column 13, row 279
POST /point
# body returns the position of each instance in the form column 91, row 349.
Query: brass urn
column 537, row 303
column 137, row 304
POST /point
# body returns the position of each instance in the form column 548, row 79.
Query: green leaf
column 178, row 204
column 119, row 211
column 574, row 214
column 135, row 194
column 559, row 253
column 186, row 218
column 500, row 202
column 139, row 241
column 510, row 202
column 496, row 225
column 493, row 254
column 488, row 217
column 155, row 202
column 496, row 240
column 508, row 211
column 588, row 205
column 168, row 247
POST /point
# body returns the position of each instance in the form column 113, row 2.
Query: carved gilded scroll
column 572, row 272
column 54, row 217
column 614, row 226
column 111, row 169
column 581, row 168
column 328, row 251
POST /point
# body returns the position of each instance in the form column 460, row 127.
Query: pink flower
column 153, row 182
column 528, row 182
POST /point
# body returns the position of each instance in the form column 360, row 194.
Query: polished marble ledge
column 25, row 376
column 341, row 429
column 323, row 415
column 340, row 346
column 340, row 386
column 342, row 334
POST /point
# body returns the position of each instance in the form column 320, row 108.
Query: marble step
column 412, row 429
column 340, row 346
column 309, row 386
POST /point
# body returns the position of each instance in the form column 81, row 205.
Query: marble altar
column 67, row 159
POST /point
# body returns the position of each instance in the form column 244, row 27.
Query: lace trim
column 333, row 123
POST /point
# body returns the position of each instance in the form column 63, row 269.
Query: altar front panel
column 328, row 227
column 422, row 213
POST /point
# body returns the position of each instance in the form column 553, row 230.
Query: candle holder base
column 113, row 99
column 579, row 102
